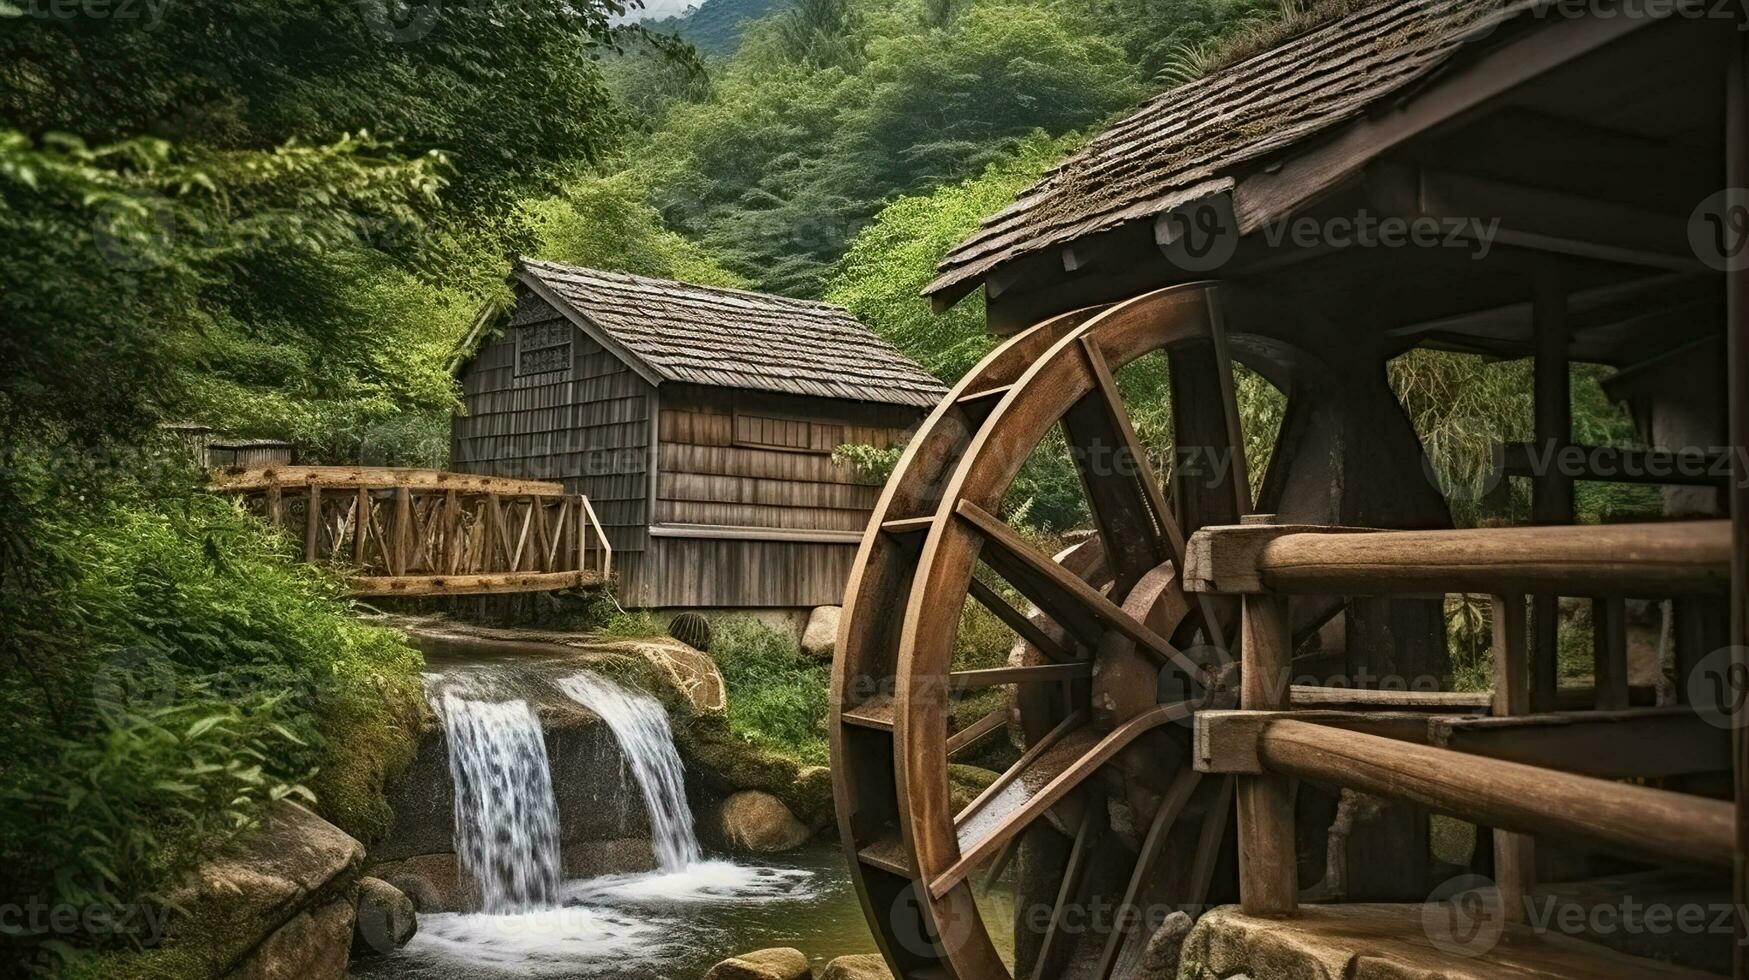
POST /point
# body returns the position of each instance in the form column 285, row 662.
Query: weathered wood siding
column 534, row 409
column 688, row 572
column 746, row 459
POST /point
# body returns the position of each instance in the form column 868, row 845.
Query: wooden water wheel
column 1112, row 662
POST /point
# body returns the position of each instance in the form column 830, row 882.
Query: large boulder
column 385, row 918
column 864, row 966
column 1165, row 949
column 314, row 945
column 766, row 964
column 820, row 638
column 757, row 822
column 278, row 905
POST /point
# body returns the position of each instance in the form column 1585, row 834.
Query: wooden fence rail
column 1465, row 766
column 402, row 532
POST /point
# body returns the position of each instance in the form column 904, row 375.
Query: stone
column 251, row 908
column 757, row 822
column 965, row 783
column 691, row 673
column 384, row 920
column 1165, row 949
column 820, row 637
column 863, row 966
column 432, row 882
column 314, row 945
column 782, row 963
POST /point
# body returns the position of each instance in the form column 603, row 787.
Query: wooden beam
column 1566, row 224
column 435, row 585
column 963, row 681
column 1551, row 496
column 1268, row 866
column 1636, row 743
column 1272, row 193
column 1736, row 126
column 1609, row 464
column 1226, row 741
column 1617, row 817
column 1670, row 558
column 238, row 480
column 977, row 732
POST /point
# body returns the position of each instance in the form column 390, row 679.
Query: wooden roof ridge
column 1190, row 141
column 668, row 330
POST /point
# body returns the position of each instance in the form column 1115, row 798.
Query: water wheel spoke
column 1210, row 484
column 1208, row 847
column 1074, row 604
column 1018, row 621
column 977, row 732
column 1171, row 806
column 1128, row 506
column 963, row 681
column 1080, row 855
column 1038, row 782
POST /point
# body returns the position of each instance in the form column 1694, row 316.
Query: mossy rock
column 966, row 782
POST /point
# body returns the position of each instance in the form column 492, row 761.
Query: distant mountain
column 714, row 26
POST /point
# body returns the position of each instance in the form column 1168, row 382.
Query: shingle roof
column 1187, row 143
column 731, row 338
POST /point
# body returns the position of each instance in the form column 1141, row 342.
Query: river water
column 670, row 924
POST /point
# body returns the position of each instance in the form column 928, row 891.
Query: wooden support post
column 275, row 513
column 1514, row 854
column 1551, row 490
column 1609, row 652
column 582, row 536
column 1737, row 357
column 313, row 523
column 1268, row 862
column 402, row 538
column 361, row 526
column 452, row 533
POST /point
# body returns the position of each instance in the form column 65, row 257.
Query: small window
column 544, row 347
column 787, row 434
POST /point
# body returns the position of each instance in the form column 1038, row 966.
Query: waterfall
column 641, row 727
column 506, row 818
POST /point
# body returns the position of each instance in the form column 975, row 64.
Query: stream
column 672, row 923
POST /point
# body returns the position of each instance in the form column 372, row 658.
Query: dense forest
column 280, row 220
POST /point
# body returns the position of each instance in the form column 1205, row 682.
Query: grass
column 777, row 695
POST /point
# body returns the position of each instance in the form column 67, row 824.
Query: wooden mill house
column 700, row 422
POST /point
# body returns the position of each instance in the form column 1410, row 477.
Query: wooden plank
column 977, row 732
column 1303, row 697
column 1609, row 652
column 1061, row 595
column 1268, row 866
column 1612, row 464
column 377, row 478
column 963, row 681
column 434, row 585
column 1019, row 622
column 313, row 523
column 1633, row 743
column 875, row 713
column 1618, row 817
column 1671, row 558
column 1737, row 373
column 1016, row 820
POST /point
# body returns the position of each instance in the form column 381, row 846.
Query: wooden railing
column 1553, row 773
column 425, row 532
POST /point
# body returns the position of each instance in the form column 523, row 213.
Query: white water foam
column 641, row 728
column 506, row 818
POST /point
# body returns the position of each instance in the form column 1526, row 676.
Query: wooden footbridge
column 408, row 532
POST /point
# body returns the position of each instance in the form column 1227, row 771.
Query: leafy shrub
column 175, row 672
column 777, row 695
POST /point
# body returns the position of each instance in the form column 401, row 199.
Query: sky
column 662, row 8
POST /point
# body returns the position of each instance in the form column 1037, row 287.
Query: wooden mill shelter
column 700, row 422
column 1237, row 697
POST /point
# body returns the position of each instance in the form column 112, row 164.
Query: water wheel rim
column 1052, row 378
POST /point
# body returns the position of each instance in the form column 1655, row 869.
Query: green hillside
column 714, row 27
